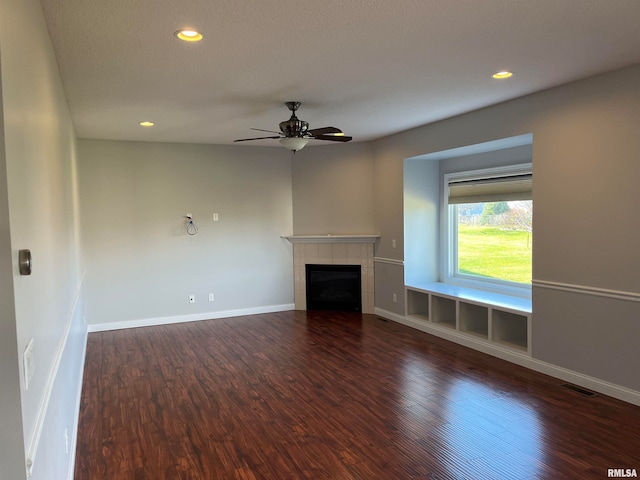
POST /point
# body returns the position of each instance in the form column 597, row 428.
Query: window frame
column 449, row 237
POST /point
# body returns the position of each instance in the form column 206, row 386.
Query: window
column 489, row 229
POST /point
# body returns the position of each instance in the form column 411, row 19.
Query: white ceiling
column 369, row 67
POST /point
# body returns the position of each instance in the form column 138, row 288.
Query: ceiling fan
column 294, row 133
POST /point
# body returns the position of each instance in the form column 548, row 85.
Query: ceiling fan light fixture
column 293, row 143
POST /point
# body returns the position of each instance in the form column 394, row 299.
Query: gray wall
column 12, row 451
column 333, row 190
column 585, row 163
column 141, row 263
column 39, row 155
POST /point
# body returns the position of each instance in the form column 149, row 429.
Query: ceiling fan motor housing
column 294, row 127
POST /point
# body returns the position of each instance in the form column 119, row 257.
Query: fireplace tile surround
column 334, row 250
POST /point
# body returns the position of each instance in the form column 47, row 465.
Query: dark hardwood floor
column 319, row 395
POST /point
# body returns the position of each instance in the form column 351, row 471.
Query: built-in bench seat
column 494, row 318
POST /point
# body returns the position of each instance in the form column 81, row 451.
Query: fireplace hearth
column 334, row 287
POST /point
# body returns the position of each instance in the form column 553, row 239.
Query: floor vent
column 580, row 390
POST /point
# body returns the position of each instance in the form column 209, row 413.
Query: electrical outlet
column 215, row 217
column 395, row 298
column 28, row 364
column 192, row 299
column 211, row 299
column 393, row 243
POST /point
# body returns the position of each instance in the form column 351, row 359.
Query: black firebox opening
column 334, row 287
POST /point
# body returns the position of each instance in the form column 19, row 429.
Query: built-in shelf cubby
column 493, row 319
column 418, row 305
column 474, row 319
column 443, row 311
column 510, row 329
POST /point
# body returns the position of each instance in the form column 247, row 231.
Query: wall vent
column 580, row 390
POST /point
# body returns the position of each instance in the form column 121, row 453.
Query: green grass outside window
column 494, row 252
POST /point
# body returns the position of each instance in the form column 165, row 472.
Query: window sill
column 490, row 288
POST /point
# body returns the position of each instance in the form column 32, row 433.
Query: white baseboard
column 585, row 381
column 150, row 322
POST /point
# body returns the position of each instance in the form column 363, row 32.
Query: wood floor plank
column 326, row 395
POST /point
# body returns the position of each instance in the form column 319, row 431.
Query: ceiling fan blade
column 323, row 131
column 334, row 138
column 262, row 130
column 256, row 138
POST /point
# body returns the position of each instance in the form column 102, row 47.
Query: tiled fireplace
column 333, row 250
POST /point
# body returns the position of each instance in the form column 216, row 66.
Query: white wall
column 141, row 263
column 421, row 220
column 39, row 153
column 585, row 167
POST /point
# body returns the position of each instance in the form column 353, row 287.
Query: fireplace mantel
column 329, row 238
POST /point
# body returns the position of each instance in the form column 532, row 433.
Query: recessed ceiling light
column 189, row 35
column 502, row 74
column 146, row 124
